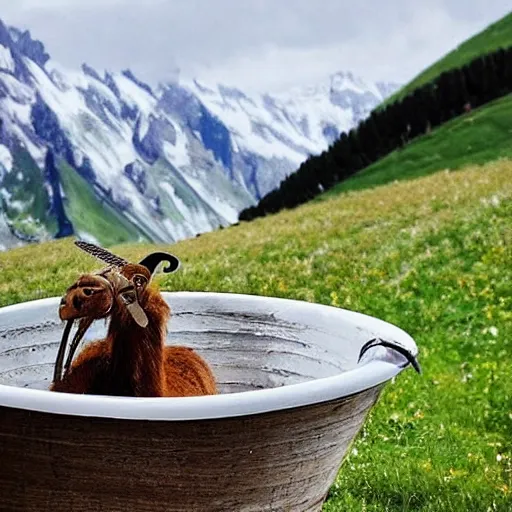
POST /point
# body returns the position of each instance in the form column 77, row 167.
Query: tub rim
column 371, row 372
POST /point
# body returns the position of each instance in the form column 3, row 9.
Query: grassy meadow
column 431, row 255
column 495, row 36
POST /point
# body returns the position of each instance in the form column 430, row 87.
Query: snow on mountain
column 277, row 132
column 108, row 158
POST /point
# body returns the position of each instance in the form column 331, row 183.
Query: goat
column 132, row 360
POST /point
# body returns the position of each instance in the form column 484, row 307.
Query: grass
column 431, row 255
column 477, row 137
column 497, row 35
column 89, row 214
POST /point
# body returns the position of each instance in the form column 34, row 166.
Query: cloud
column 394, row 56
column 253, row 43
column 50, row 5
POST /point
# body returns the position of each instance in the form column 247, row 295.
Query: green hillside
column 29, row 207
column 477, row 137
column 88, row 214
column 28, row 202
column 431, row 255
column 497, row 35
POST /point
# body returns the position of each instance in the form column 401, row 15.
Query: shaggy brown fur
column 133, row 360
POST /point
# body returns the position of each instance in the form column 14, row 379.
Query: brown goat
column 132, row 360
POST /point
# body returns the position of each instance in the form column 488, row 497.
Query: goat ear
column 128, row 297
column 151, row 262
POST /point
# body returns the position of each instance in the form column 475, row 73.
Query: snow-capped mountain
column 108, row 158
column 270, row 135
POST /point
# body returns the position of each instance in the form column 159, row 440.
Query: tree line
column 453, row 93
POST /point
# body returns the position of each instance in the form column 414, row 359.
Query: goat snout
column 68, row 307
column 85, row 301
column 71, row 305
column 77, row 303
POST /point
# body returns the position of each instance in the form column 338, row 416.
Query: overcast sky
column 256, row 44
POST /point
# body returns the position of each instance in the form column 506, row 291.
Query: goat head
column 94, row 296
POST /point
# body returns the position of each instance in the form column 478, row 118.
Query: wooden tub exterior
column 293, row 401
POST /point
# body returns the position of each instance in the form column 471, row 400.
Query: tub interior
column 251, row 342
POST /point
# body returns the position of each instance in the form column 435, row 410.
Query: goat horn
column 84, row 324
column 100, row 253
column 151, row 261
column 57, row 372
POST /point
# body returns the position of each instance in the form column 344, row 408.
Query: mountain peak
column 26, row 45
column 90, row 71
column 5, row 35
column 129, row 74
column 158, row 164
